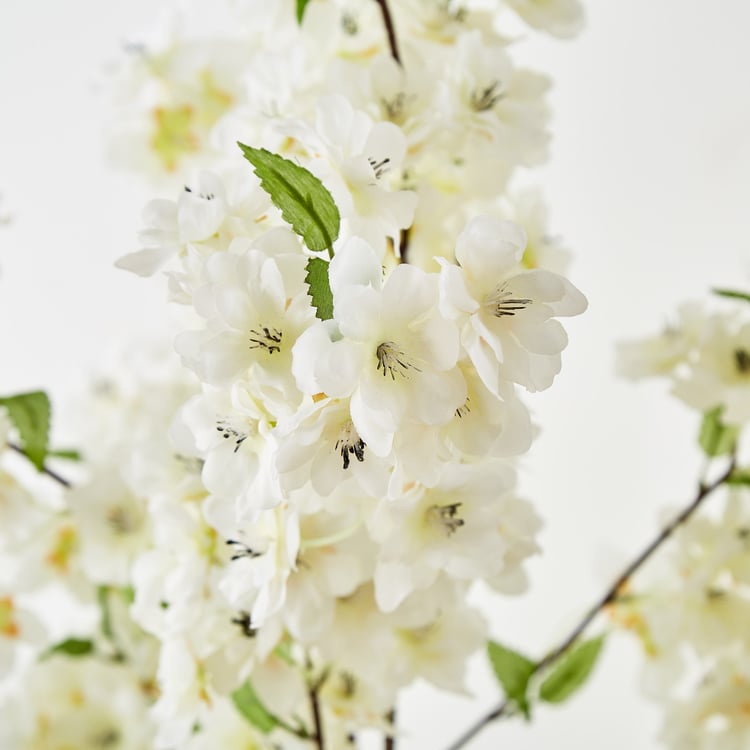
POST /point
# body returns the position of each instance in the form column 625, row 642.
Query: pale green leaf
column 73, row 647
column 732, row 294
column 66, row 454
column 303, row 200
column 740, row 477
column 30, row 414
column 513, row 671
column 320, row 288
column 249, row 705
column 301, row 6
column 571, row 671
column 717, row 438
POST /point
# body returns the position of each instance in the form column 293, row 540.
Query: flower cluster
column 285, row 529
column 691, row 608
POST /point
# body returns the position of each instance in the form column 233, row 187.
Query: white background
column 649, row 183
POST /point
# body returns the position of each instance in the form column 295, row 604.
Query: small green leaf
column 30, row 413
column 67, row 454
column 301, row 5
column 128, row 594
column 249, row 705
column 571, row 671
column 513, row 670
column 102, row 598
column 732, row 294
column 303, row 200
column 739, row 478
column 72, row 647
column 284, row 652
column 717, row 438
column 320, row 288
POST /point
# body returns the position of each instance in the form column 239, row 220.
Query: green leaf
column 301, row 5
column 67, row 454
column 303, row 200
column 739, row 478
column 30, row 413
column 571, row 671
column 717, row 438
column 249, row 705
column 513, row 670
column 72, row 647
column 732, row 294
column 102, row 598
column 320, row 288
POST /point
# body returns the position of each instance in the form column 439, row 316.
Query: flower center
column 245, row 624
column 240, row 550
column 379, row 167
column 395, row 107
column 349, row 24
column 8, row 626
column 350, row 442
column 266, row 338
column 742, row 361
column 393, row 361
column 109, row 737
column 501, row 302
column 462, row 411
column 121, row 521
column 483, row 99
column 445, row 517
column 229, row 432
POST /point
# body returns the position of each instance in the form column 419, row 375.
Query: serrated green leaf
column 571, row 671
column 717, row 438
column 513, row 671
column 73, row 647
column 30, row 414
column 301, row 5
column 303, row 200
column 67, row 454
column 732, row 294
column 320, row 288
column 249, row 705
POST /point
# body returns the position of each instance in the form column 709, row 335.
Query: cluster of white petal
column 452, row 122
column 705, row 355
column 303, row 506
column 357, row 469
column 690, row 611
column 691, row 608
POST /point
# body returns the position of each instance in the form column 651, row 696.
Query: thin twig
column 52, row 474
column 317, row 718
column 390, row 30
column 505, row 708
column 390, row 738
column 403, row 242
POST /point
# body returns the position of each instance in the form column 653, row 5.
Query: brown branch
column 403, row 245
column 390, row 30
column 45, row 470
column 506, row 707
column 390, row 738
column 318, row 738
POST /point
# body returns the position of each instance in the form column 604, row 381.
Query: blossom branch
column 506, row 708
column 317, row 717
column 403, row 249
column 390, row 738
column 45, row 470
column 390, row 29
